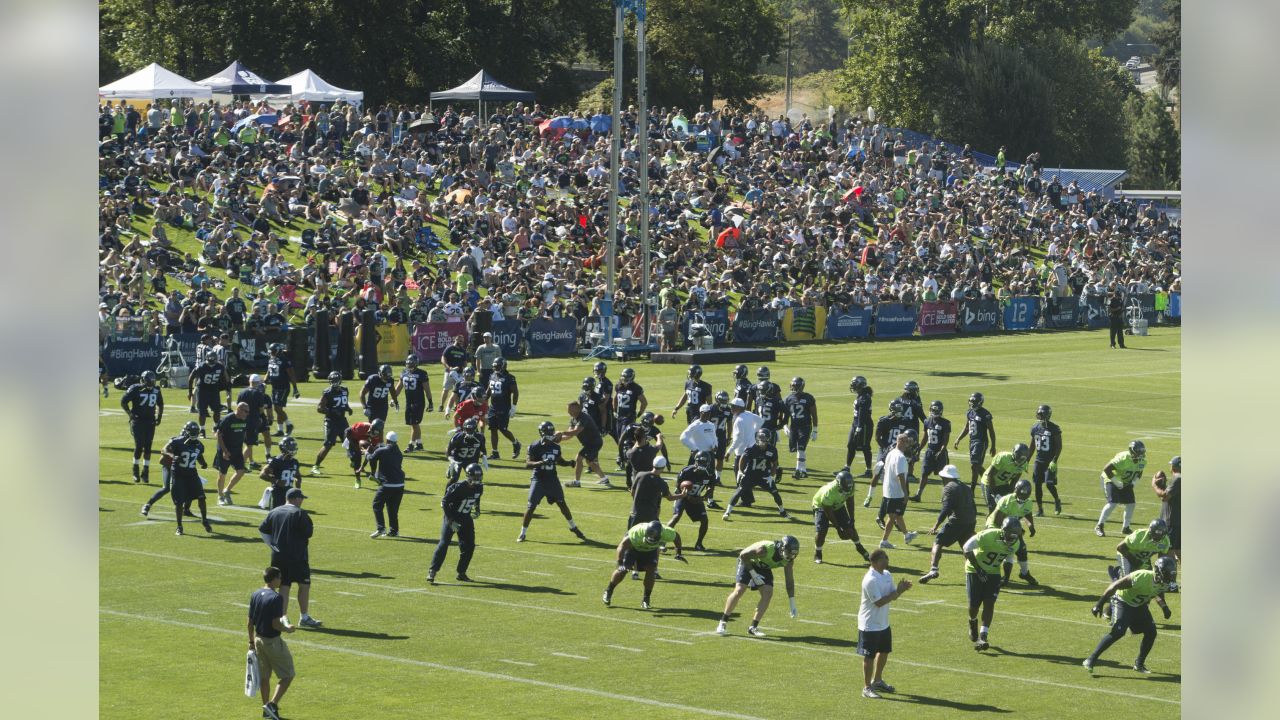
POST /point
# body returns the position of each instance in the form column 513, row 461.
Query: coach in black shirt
column 1115, row 308
column 287, row 530
column 387, row 465
column 267, row 621
column 647, row 492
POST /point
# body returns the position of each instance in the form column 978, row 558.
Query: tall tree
column 1167, row 37
column 1155, row 147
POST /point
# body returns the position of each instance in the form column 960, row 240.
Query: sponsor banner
column 938, row 318
column 187, row 343
column 895, row 320
column 979, row 316
column 1175, row 305
column 758, row 326
column 1062, row 313
column 1094, row 312
column 430, row 339
column 552, row 337
column 717, row 322
column 393, row 342
column 131, row 356
column 1022, row 313
column 851, row 322
column 1146, row 302
column 507, row 335
column 804, row 323
column 252, row 348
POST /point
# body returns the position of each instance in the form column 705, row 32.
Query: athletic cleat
column 866, row 474
column 882, row 686
column 1088, row 665
column 915, row 498
column 700, row 546
column 494, row 455
column 178, row 531
column 1097, row 530
column 817, row 557
column 867, row 503
column 288, row 427
column 309, row 622
column 462, row 577
column 713, row 504
column 869, row 693
column 1040, row 512
column 315, row 469
column 146, row 480
column 866, row 556
column 1139, row 667
column 644, row 604
column 357, row 487
column 578, row 531
column 270, row 711
column 515, row 451
column 973, row 631
column 393, row 533
column 981, row 645
column 1004, row 581
column 431, row 577
column 722, row 628
column 377, row 533
column 608, row 597
column 227, row 495
column 278, row 433
column 1057, row 508
column 208, row 527
column 725, row 516
column 931, row 575
column 146, row 508
column 783, row 513
column 635, row 575
column 755, row 631
column 186, row 512
column 909, row 536
column 886, row 545
column 603, row 482
column 520, row 537
column 1028, row 578
column 1113, row 572
column 880, row 522
column 252, row 466
column 573, row 483
column 1125, row 530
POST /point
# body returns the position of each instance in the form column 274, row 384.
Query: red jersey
column 357, row 433
column 468, row 408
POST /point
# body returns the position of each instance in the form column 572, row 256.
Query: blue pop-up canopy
column 236, row 79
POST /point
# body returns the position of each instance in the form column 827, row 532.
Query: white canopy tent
column 153, row 82
column 313, row 88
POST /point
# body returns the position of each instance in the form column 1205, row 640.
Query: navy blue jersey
column 284, row 470
column 914, row 411
column 771, row 411
column 466, row 448
column 548, row 455
column 696, row 393
column 141, row 402
column 187, row 453
column 800, row 409
column 888, row 428
column 462, row 499
column 862, row 410
column 626, row 397
column 592, row 405
column 702, row 480
column 466, row 389
column 278, row 372
column 979, row 421
column 1046, row 441
column 758, row 462
column 722, row 416
column 387, row 463
column 590, row 435
column 414, row 384
column 604, row 386
column 256, row 399
column 377, row 391
column 208, row 378
column 334, row 402
column 743, row 390
column 502, row 387
column 937, row 432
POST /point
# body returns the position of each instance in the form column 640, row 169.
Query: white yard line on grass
column 193, row 612
column 672, row 640
column 517, row 662
column 563, row 687
column 572, row 657
column 625, row 648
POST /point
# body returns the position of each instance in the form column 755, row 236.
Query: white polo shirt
column 895, row 464
column 875, row 585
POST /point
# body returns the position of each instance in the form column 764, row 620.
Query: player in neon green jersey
column 755, row 572
column 1117, row 484
column 1131, row 594
column 1017, row 504
column 833, row 505
column 983, row 555
column 1003, row 473
column 639, row 551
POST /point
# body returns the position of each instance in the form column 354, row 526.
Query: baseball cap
column 294, row 493
column 738, row 402
column 950, row 472
column 255, row 378
column 659, row 462
column 488, row 334
column 392, row 437
column 704, row 408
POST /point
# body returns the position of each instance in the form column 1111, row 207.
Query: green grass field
column 531, row 638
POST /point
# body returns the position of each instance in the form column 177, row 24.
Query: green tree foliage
column 1167, row 38
column 819, row 39
column 985, row 69
column 1155, row 147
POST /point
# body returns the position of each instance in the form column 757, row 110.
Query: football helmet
column 975, row 400
column 1022, row 489
column 695, row 372
column 857, row 384
column 762, row 373
column 911, row 388
column 647, row 419
column 475, row 474
column 469, row 372
column 499, row 364
column 470, row 425
column 704, row 460
column 1158, row 529
column 376, row 427
column 722, row 398
column 546, row 430
column 148, row 378
column 1137, row 449
column 935, row 408
column 191, row 429
column 628, row 375
column 788, row 547
column 764, row 436
column 335, row 378
column 653, row 532
column 599, row 368
column 897, row 407
column 740, row 372
column 1166, row 569
column 589, row 384
column 1044, row 412
column 275, row 349
column 289, row 447
column 1011, row 529
column 1021, row 452
column 384, row 372
column 411, row 362
column 797, row 384
column 845, row 478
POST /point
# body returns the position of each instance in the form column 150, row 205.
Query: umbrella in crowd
column 259, row 118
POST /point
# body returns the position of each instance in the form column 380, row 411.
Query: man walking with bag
column 267, row 620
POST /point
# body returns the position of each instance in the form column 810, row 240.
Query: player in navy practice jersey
column 758, row 467
column 742, row 388
column 861, row 429
column 378, row 392
column 980, row 429
column 504, row 395
column 800, row 419
column 1046, row 443
column 937, row 432
column 629, row 402
column 700, row 477
column 335, row 405
column 544, row 484
column 280, row 378
column 461, row 505
column 697, row 392
column 604, row 387
column 415, row 385
column 144, row 404
column 204, row 390
column 283, row 472
column 467, row 446
column 888, row 428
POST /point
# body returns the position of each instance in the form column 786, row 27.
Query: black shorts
column 874, row 642
column 953, row 532
column 893, row 506
column 551, row 491
column 1136, row 620
column 590, row 453
column 143, row 431
column 859, row 436
column 1175, row 536
column 292, row 571
column 355, row 457
column 722, row 447
column 186, row 488
column 843, row 522
column 694, row 510
column 977, row 453
column 377, row 411
column 634, row 559
column 208, row 402
column 979, row 590
column 497, row 419
column 934, row 461
column 1119, row 496
column 799, row 439
column 280, row 396
column 413, row 414
column 742, row 575
column 769, row 484
column 222, row 464
column 253, row 430
column 335, row 429
column 1040, row 474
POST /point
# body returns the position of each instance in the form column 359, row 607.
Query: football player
column 386, row 467
column 335, row 406
column 582, row 425
column 359, row 440
column 755, row 572
column 415, row 384
column 695, row 482
column 592, row 403
column 230, row 434
column 628, row 402
column 1118, row 478
column 758, row 467
column 544, row 483
column 604, row 386
column 377, row 393
column 913, row 413
column 742, row 386
column 144, row 404
column 280, row 377
column 980, row 428
column 1046, row 442
column 722, row 416
column 466, row 448
column 770, row 408
column 461, row 505
column 1130, row 597
column 639, row 451
column 801, row 423
column 937, row 432
column 1016, row 504
column 697, row 392
column 283, row 472
column 504, row 396
column 984, row 553
column 184, row 453
column 258, row 424
column 166, row 476
column 888, row 428
column 1005, row 470
column 1138, row 547
column 955, row 520
column 638, row 551
column 204, row 390
column 861, row 429
column 833, row 505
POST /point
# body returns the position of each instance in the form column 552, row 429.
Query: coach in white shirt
column 700, row 436
column 875, row 639
column 745, row 425
column 893, row 502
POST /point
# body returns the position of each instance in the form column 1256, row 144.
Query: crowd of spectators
column 461, row 217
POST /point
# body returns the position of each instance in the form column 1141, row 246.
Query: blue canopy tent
column 482, row 88
column 236, row 79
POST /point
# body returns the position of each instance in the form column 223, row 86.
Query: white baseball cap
column 254, row 379
column 392, row 436
column 704, row 408
column 738, row 402
column 950, row 472
column 659, row 462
